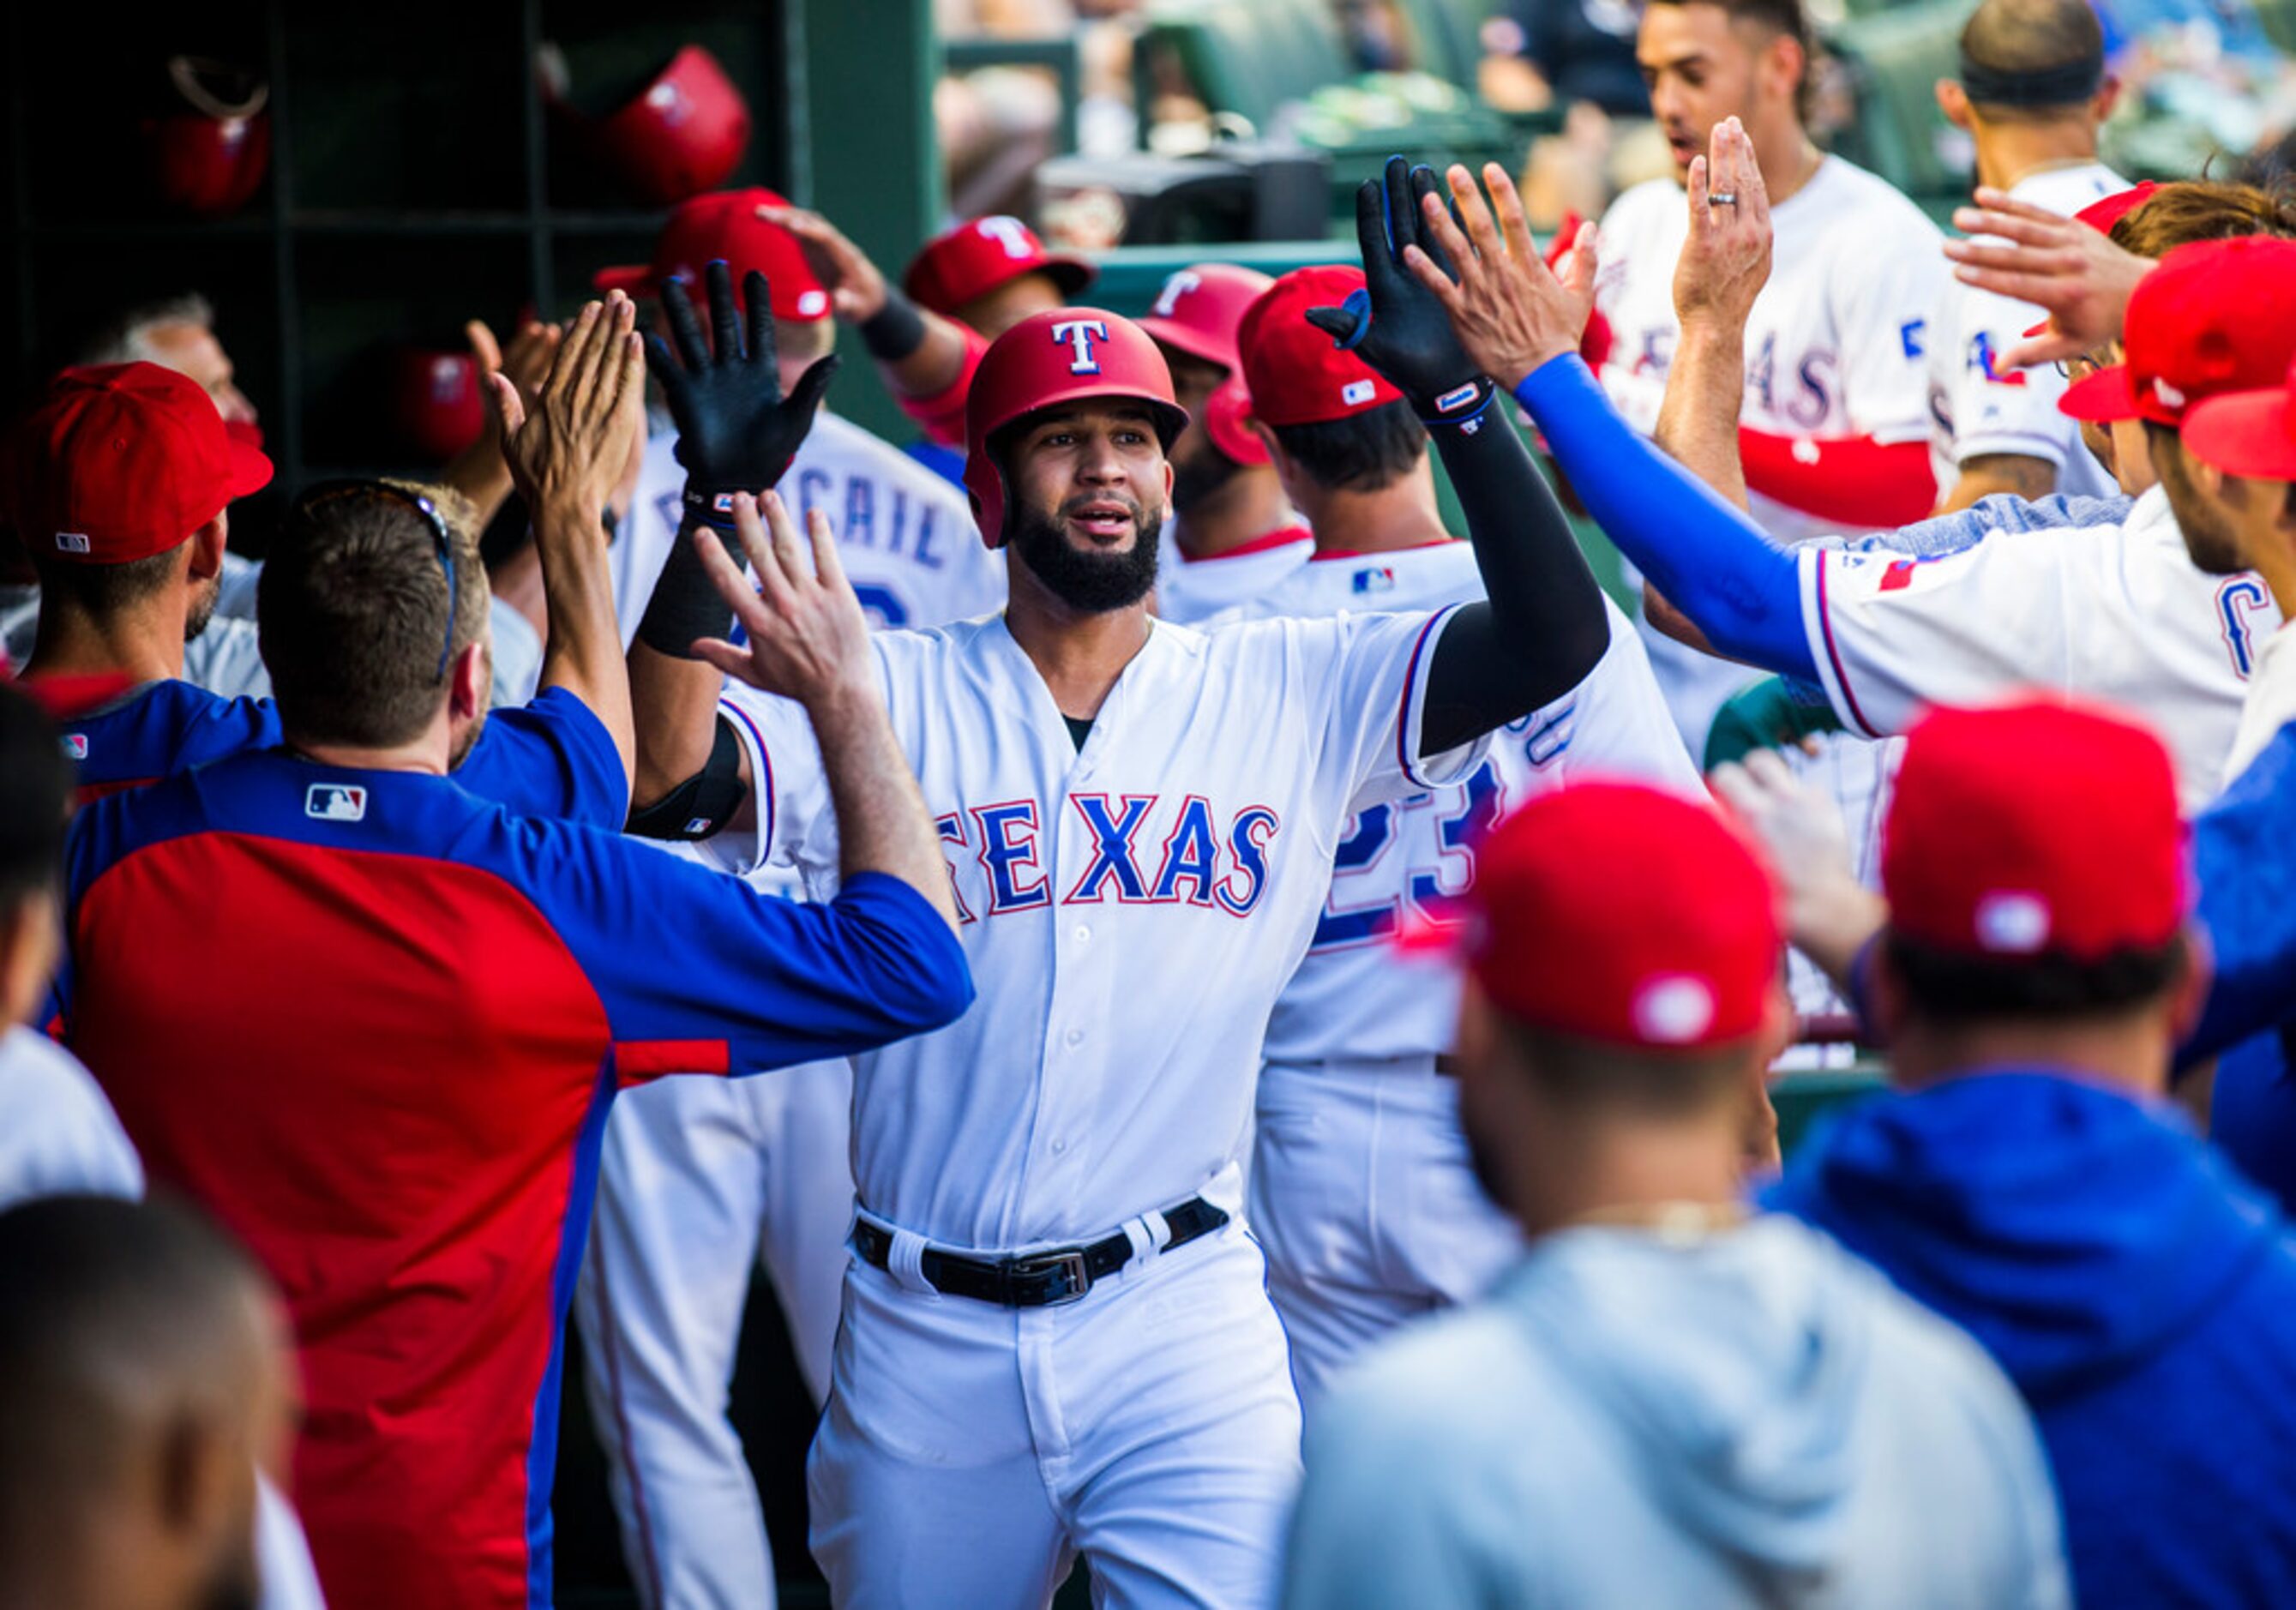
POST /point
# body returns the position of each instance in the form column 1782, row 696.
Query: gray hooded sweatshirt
column 1752, row 1417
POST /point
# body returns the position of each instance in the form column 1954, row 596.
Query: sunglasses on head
column 327, row 492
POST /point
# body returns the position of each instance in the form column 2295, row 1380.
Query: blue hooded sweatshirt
column 2140, row 1294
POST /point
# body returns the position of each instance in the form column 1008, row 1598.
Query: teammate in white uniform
column 699, row 1177
column 1230, row 536
column 2155, row 612
column 1361, row 1191
column 1056, row 1338
column 1835, row 415
column 2031, row 94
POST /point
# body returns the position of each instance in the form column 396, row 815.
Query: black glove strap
column 895, row 330
column 685, row 606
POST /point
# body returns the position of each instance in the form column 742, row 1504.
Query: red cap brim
column 250, row 470
column 2248, row 433
column 2102, row 397
column 632, row 279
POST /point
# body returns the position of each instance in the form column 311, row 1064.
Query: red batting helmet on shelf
column 1199, row 312
column 1066, row 354
column 209, row 151
column 679, row 136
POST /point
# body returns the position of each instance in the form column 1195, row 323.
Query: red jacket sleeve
column 941, row 415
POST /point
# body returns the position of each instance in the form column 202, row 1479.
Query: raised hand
column 2074, row 273
column 568, row 440
column 1726, row 260
column 1395, row 325
column 1828, row 913
column 807, row 638
column 1507, row 309
column 855, row 286
column 736, row 432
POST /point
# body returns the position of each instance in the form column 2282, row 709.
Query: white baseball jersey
column 2113, row 612
column 906, row 537
column 2271, row 702
column 1355, row 996
column 1976, row 407
column 58, row 1134
column 1190, row 592
column 1837, row 344
column 1130, row 910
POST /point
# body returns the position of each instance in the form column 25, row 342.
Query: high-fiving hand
column 736, row 432
column 568, row 449
column 1507, row 309
column 2018, row 249
column 807, row 638
column 1725, row 260
column 1394, row 324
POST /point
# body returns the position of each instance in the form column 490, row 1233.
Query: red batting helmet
column 208, row 152
column 681, row 134
column 1199, row 312
column 1067, row 355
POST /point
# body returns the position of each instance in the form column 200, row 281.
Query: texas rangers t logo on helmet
column 1080, row 334
column 1009, row 233
column 1168, row 301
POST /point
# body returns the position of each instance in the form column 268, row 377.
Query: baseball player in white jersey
column 2031, row 92
column 1835, row 419
column 1056, row 1338
column 1232, row 535
column 1360, row 1190
column 697, row 1181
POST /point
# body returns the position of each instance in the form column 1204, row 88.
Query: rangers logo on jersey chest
column 1139, row 850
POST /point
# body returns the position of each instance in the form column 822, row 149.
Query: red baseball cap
column 1200, row 309
column 2032, row 828
column 118, row 462
column 2215, row 316
column 976, row 257
column 1617, row 913
column 1297, row 375
column 725, row 224
column 2251, row 433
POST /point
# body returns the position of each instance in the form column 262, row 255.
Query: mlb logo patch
column 76, row 745
column 1356, row 392
column 335, row 802
column 1374, row 579
column 71, row 542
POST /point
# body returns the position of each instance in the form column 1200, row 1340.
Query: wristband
column 895, row 330
column 1462, row 406
column 685, row 606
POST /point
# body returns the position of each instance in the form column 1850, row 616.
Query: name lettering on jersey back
column 854, row 515
column 1142, row 850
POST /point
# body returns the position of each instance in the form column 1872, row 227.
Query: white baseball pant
column 1363, row 1198
column 970, row 1451
column 698, row 1175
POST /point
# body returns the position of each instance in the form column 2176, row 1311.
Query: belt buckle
column 1070, row 1264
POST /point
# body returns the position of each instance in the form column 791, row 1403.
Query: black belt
column 1040, row 1279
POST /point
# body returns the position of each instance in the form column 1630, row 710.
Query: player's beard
column 1095, row 583
column 204, row 599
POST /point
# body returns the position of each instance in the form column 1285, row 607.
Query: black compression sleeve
column 895, row 330
column 1544, row 627
column 685, row 606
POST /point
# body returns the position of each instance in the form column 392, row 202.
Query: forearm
column 920, row 353
column 1708, row 558
column 583, row 647
column 480, row 473
column 1833, row 925
column 1989, row 473
column 882, row 825
column 674, row 701
column 1698, row 419
column 1544, row 627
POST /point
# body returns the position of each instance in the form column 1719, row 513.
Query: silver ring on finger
column 1721, row 198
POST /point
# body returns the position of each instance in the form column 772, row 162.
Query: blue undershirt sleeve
column 1712, row 562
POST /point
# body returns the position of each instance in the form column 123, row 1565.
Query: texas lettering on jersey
column 1146, row 850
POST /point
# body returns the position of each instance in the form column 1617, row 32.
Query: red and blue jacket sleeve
column 1710, row 561
column 551, row 758
column 700, row 972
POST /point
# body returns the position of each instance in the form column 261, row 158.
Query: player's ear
column 206, row 545
column 1953, row 101
column 1787, row 62
column 470, row 682
column 2107, row 98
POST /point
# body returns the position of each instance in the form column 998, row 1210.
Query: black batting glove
column 1395, row 324
column 736, row 432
